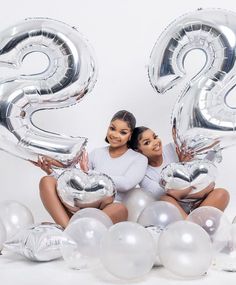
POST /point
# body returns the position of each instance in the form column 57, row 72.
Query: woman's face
column 118, row 133
column 149, row 144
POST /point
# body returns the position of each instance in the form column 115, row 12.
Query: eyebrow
column 128, row 129
column 144, row 140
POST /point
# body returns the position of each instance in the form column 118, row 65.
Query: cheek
column 144, row 150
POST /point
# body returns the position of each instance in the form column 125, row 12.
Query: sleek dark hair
column 136, row 136
column 127, row 117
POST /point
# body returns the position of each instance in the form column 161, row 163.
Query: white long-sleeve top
column 150, row 182
column 126, row 171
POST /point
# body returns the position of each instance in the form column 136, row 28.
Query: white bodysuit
column 150, row 182
column 126, row 171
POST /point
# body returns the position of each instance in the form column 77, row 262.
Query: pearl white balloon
column 81, row 251
column 185, row 249
column 225, row 260
column 15, row 216
column 92, row 213
column 3, row 235
column 127, row 250
column 215, row 223
column 135, row 201
column 159, row 214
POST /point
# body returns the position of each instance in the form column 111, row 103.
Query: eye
column 155, row 136
column 146, row 143
column 123, row 133
column 112, row 128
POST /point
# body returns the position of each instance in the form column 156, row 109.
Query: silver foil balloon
column 203, row 116
column 40, row 242
column 190, row 177
column 70, row 74
column 77, row 189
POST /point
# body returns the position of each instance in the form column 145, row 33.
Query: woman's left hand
column 83, row 162
column 184, row 156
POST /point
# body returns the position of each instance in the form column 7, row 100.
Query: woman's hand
column 46, row 163
column 83, row 162
column 184, row 156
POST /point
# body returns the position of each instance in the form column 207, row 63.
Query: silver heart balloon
column 191, row 177
column 203, row 117
column 41, row 242
column 77, row 189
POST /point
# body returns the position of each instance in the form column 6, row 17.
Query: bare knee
column 166, row 198
column 47, row 184
column 117, row 212
column 221, row 194
column 122, row 210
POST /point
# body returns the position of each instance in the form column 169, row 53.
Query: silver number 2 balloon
column 71, row 73
column 203, row 118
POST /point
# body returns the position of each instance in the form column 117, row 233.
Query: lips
column 114, row 140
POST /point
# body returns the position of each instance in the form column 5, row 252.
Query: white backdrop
column 122, row 33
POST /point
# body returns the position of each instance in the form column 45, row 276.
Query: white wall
column 122, row 33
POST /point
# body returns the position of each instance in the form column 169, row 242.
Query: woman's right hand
column 46, row 163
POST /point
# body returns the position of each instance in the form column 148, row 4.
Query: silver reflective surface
column 203, row 118
column 41, row 242
column 77, row 189
column 70, row 74
column 189, row 176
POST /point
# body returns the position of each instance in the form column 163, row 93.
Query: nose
column 115, row 135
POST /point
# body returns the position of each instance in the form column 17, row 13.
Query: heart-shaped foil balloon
column 77, row 189
column 41, row 242
column 192, row 176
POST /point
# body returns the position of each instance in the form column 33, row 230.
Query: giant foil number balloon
column 203, row 116
column 70, row 74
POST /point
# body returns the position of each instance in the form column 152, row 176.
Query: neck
column 117, row 151
column 155, row 161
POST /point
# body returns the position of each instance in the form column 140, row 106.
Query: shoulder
column 137, row 156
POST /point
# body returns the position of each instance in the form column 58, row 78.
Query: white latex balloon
column 226, row 259
column 127, row 250
column 3, row 235
column 185, row 249
column 81, row 251
column 92, row 213
column 215, row 223
column 15, row 216
column 136, row 200
column 159, row 214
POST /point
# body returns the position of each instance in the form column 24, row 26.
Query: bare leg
column 51, row 201
column 171, row 200
column 117, row 212
column 218, row 198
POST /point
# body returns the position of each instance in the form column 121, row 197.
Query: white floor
column 15, row 270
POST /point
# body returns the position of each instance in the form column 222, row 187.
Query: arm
column 152, row 186
column 132, row 176
column 46, row 163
